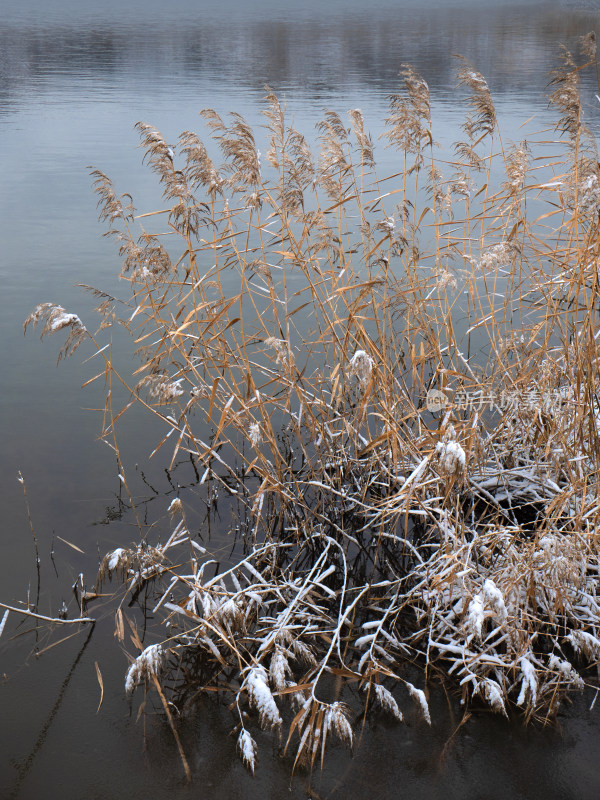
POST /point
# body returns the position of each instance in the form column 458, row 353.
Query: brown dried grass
column 292, row 321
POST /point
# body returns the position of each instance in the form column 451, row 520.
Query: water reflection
column 306, row 48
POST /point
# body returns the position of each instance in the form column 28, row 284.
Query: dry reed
column 398, row 380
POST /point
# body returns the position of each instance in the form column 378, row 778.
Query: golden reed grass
column 397, row 380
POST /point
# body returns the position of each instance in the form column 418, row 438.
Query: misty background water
column 74, row 79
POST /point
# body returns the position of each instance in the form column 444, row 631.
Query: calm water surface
column 74, row 79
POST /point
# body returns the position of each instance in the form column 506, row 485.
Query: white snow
column 386, row 700
column 475, row 616
column 248, row 749
column 62, row 320
column 279, row 669
column 118, row 558
column 149, row 662
column 261, row 698
column 493, row 597
column 419, row 696
column 451, row 456
column 3, row 623
column 529, row 684
column 492, row 692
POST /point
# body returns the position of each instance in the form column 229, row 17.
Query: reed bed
column 396, row 379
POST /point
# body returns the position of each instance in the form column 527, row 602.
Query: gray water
column 75, row 76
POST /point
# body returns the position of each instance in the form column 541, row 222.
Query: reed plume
column 400, row 399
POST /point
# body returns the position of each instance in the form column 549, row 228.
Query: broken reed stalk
column 42, row 617
column 398, row 381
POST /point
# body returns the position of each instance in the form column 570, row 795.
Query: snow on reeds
column 291, row 327
column 150, row 662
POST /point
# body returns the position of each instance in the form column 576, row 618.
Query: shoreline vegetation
column 396, row 382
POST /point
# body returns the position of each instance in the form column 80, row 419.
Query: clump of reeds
column 398, row 380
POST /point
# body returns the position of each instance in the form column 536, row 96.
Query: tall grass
column 397, row 380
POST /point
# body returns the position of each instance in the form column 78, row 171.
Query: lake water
column 75, row 76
